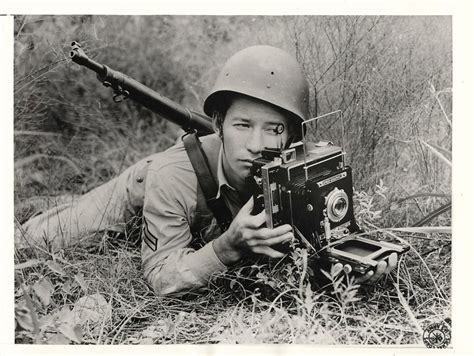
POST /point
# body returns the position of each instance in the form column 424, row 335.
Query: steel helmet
column 266, row 73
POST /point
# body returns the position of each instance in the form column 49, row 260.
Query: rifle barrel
column 129, row 87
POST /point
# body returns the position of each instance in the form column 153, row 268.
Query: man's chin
column 244, row 173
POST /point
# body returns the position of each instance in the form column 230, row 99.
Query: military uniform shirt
column 178, row 229
column 173, row 206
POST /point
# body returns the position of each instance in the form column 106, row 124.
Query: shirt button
column 139, row 179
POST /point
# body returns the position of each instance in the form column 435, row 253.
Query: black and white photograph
column 233, row 179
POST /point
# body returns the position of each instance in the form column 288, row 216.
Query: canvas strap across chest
column 207, row 180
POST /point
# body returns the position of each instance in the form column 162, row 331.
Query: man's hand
column 246, row 233
column 371, row 277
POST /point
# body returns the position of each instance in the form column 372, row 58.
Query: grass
column 280, row 307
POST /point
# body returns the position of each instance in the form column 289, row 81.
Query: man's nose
column 254, row 142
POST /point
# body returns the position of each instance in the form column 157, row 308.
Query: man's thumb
column 248, row 207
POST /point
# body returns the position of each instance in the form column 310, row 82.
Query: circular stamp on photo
column 437, row 335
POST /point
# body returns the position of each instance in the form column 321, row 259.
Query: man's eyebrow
column 246, row 119
column 240, row 118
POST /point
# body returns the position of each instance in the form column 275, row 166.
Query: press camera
column 309, row 186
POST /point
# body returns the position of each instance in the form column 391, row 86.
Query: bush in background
column 390, row 76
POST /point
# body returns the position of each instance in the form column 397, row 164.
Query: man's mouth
column 247, row 162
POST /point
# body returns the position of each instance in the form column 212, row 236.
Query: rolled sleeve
column 205, row 262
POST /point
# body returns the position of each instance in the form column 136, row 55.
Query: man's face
column 249, row 126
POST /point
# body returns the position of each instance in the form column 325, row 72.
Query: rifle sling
column 206, row 180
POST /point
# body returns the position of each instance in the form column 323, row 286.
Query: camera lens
column 337, row 204
column 340, row 206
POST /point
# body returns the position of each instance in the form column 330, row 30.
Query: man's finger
column 266, row 233
column 248, row 207
column 392, row 263
column 379, row 271
column 364, row 278
column 258, row 220
column 381, row 267
column 268, row 251
column 372, row 277
column 272, row 240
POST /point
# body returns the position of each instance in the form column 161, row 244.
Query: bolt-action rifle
column 125, row 87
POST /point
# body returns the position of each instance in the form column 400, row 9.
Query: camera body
column 309, row 187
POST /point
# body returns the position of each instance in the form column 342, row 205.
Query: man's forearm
column 183, row 270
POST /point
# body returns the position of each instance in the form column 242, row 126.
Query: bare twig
column 422, row 195
column 423, row 229
column 405, row 304
column 437, row 153
column 35, row 133
column 441, row 294
column 27, row 160
column 435, row 94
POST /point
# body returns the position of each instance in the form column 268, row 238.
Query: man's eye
column 241, row 125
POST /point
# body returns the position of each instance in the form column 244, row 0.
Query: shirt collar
column 221, row 178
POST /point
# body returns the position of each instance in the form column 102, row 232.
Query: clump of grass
column 260, row 303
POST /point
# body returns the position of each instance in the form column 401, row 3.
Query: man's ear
column 217, row 123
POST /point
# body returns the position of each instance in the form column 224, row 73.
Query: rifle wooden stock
column 126, row 87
